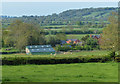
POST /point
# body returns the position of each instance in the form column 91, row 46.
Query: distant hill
column 95, row 15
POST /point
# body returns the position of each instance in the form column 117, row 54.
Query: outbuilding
column 39, row 49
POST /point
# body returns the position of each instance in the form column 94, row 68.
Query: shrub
column 78, row 47
column 112, row 53
column 54, row 60
column 63, row 48
column 87, row 47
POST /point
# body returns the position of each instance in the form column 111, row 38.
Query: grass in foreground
column 79, row 72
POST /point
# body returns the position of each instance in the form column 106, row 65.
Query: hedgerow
column 54, row 60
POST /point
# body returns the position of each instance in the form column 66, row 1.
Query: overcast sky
column 47, row 8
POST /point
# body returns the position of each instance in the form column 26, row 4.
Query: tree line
column 96, row 16
column 20, row 34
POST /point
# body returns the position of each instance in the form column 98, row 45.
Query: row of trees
column 71, row 31
column 67, row 17
column 20, row 34
column 110, row 38
column 88, row 43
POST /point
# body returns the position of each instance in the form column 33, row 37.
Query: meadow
column 66, row 54
column 78, row 72
column 67, row 29
column 75, row 36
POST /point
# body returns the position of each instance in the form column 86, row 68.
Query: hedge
column 54, row 32
column 12, row 52
column 8, row 52
column 53, row 60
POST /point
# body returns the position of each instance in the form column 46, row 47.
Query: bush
column 66, row 48
column 87, row 47
column 78, row 47
column 112, row 53
column 53, row 60
column 63, row 48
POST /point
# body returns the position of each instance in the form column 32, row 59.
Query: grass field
column 67, row 29
column 78, row 72
column 67, row 54
column 11, row 50
column 75, row 36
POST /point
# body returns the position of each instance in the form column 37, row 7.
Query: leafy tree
column 22, row 34
column 85, row 38
column 52, row 40
column 92, row 42
column 109, row 39
column 6, row 39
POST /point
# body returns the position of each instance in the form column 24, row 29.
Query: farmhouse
column 95, row 36
column 75, row 41
column 63, row 42
column 39, row 49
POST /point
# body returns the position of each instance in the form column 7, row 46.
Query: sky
column 47, row 8
column 60, row 0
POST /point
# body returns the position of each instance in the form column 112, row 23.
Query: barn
column 39, row 49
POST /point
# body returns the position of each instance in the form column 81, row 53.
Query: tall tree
column 22, row 34
column 109, row 38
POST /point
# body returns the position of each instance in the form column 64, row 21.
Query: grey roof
column 98, row 36
column 40, row 48
column 63, row 42
column 71, row 39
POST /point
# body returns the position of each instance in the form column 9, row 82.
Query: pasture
column 59, row 58
column 77, row 36
column 67, row 29
column 78, row 72
column 74, row 36
column 66, row 54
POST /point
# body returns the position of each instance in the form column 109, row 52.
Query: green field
column 67, row 29
column 11, row 50
column 78, row 72
column 67, row 54
column 75, row 36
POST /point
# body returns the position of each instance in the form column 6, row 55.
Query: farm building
column 75, row 41
column 95, row 36
column 39, row 49
column 63, row 42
